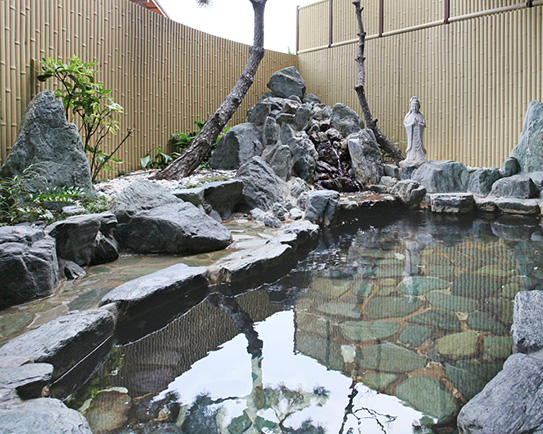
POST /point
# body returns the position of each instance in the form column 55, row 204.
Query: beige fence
column 475, row 76
column 164, row 74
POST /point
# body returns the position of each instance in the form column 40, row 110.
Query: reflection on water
column 389, row 328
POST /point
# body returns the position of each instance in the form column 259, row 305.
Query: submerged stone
column 475, row 286
column 389, row 357
column 365, row 331
column 378, row 381
column 428, row 396
column 420, row 285
column 346, row 310
column 437, row 318
column 458, row 345
column 415, row 335
column 391, row 307
column 485, row 322
column 108, row 410
column 454, row 303
column 497, row 347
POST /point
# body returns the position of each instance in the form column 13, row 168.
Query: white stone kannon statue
column 414, row 123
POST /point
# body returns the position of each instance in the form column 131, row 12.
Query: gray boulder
column 64, row 341
column 27, row 379
column 304, row 157
column 366, row 158
column 410, row 192
column 86, row 239
column 442, row 176
column 512, row 205
column 42, row 415
column 261, row 186
column 511, row 403
column 345, row 120
column 155, row 289
column 237, row 146
column 452, row 203
column 280, row 161
column 28, row 265
column 287, row 82
column 172, row 228
column 223, row 196
column 311, row 98
column 321, row 207
column 50, row 147
column 153, row 220
column 270, row 133
column 529, row 151
column 481, row 180
column 259, row 113
column 519, row 186
column 510, row 167
column 303, row 116
column 527, row 328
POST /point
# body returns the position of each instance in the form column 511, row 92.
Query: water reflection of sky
column 227, row 374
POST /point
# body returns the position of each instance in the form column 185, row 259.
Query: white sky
column 233, row 19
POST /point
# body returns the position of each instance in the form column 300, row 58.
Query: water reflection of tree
column 202, row 416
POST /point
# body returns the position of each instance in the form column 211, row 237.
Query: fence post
column 297, row 28
column 330, row 23
column 447, row 11
column 530, row 3
column 381, row 17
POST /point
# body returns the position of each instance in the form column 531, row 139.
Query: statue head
column 414, row 104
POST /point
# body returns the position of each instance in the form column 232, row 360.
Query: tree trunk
column 371, row 122
column 201, row 145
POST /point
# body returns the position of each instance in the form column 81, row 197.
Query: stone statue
column 415, row 123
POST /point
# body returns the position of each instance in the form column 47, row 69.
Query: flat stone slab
column 298, row 235
column 389, row 357
column 162, row 286
column 250, row 266
column 511, row 403
column 485, row 203
column 42, row 415
column 28, row 379
column 511, row 205
column 527, row 329
column 454, row 203
column 64, row 341
column 365, row 331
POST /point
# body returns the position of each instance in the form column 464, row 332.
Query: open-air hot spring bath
column 389, row 326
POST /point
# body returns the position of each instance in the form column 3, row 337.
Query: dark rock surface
column 519, row 186
column 511, row 403
column 238, row 145
column 64, row 341
column 454, row 203
column 287, row 82
column 481, row 179
column 346, row 120
column 527, row 329
column 52, row 146
column 410, row 192
column 261, row 186
column 42, row 415
column 223, row 196
column 86, row 239
column 321, row 207
column 529, row 151
column 27, row 379
column 442, row 176
column 304, row 157
column 28, row 264
column 366, row 158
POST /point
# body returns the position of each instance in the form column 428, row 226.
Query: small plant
column 160, row 159
column 97, row 205
column 88, row 101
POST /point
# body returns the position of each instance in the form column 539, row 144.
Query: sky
column 233, row 19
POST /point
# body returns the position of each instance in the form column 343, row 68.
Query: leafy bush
column 160, row 159
column 89, row 101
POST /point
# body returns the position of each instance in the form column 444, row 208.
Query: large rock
column 223, row 196
column 28, row 264
column 287, row 82
column 157, row 289
column 511, row 403
column 174, row 228
column 27, row 379
column 366, row 158
column 86, row 239
column 442, row 176
column 42, row 415
column 529, row 151
column 52, row 146
column 452, row 203
column 410, row 192
column 321, row 207
column 153, row 220
column 261, row 186
column 346, row 120
column 238, row 145
column 481, row 180
column 64, row 341
column 280, row 160
column 304, row 157
column 519, row 186
column 527, row 329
